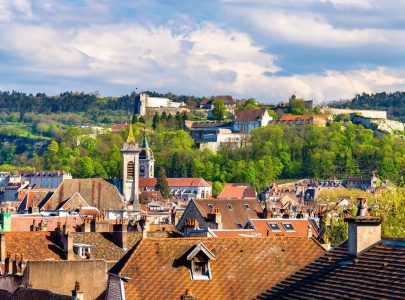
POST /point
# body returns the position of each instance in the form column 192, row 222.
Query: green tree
column 217, row 187
column 161, row 184
column 219, row 110
column 297, row 106
column 251, row 103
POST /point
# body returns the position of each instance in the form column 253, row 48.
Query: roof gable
column 95, row 191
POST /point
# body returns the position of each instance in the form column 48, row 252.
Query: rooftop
column 377, row 273
column 248, row 115
column 242, row 268
column 175, row 182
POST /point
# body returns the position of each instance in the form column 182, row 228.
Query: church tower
column 130, row 174
column 146, row 160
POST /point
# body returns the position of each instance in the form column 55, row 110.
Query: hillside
column 393, row 103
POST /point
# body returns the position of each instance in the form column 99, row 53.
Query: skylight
column 229, row 206
column 274, row 227
column 246, row 206
column 210, row 206
column 288, row 227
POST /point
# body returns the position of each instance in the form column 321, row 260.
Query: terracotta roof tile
column 174, row 182
column 377, row 273
column 300, row 227
column 242, row 268
column 237, row 191
column 95, row 191
column 24, row 222
column 233, row 211
column 37, row 245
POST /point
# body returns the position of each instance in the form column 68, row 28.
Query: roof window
column 199, row 259
column 210, row 206
column 82, row 250
column 274, row 227
column 246, row 206
column 288, row 227
column 229, row 206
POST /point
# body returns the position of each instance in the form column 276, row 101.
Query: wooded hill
column 393, row 103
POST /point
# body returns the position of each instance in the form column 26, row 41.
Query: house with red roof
column 183, row 188
column 237, row 191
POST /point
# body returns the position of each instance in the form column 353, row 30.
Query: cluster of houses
column 106, row 244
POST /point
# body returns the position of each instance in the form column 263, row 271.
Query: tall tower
column 130, row 174
column 146, row 160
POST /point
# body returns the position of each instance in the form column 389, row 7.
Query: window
column 142, row 171
column 130, row 170
column 229, row 206
column 82, row 250
column 246, row 206
column 274, row 227
column 199, row 259
column 288, row 227
column 210, row 206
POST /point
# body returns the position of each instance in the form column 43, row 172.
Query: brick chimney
column 364, row 230
column 68, row 246
column 121, row 233
column 309, row 231
column 33, row 227
column 3, row 252
column 190, row 225
column 86, row 226
column 215, row 217
column 100, row 224
column 267, row 210
column 76, row 293
column 188, row 296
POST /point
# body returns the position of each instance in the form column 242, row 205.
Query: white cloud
column 11, row 9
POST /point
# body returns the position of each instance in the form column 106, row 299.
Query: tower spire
column 130, row 138
column 144, row 140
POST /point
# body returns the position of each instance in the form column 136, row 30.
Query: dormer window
column 210, row 206
column 199, row 259
column 82, row 250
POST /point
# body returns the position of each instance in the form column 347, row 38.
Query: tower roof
column 130, row 138
column 144, row 142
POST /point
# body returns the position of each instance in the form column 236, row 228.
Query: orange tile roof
column 237, row 214
column 237, row 191
column 36, row 245
column 118, row 127
column 285, row 118
column 23, row 222
column 95, row 191
column 235, row 233
column 242, row 268
column 300, row 225
column 175, row 182
column 376, row 273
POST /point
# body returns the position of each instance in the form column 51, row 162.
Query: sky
column 318, row 49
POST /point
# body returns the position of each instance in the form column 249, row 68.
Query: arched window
column 142, row 171
column 130, row 170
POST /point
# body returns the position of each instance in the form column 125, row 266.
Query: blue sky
column 319, row 49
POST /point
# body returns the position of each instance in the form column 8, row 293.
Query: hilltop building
column 143, row 103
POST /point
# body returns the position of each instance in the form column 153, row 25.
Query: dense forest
column 393, row 103
column 90, row 105
column 274, row 152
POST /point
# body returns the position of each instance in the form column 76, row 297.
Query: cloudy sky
column 319, row 49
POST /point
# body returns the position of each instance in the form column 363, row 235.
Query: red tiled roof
column 233, row 211
column 249, row 115
column 23, row 222
column 242, row 268
column 285, row 118
column 300, row 225
column 35, row 245
column 221, row 233
column 118, row 127
column 377, row 273
column 95, row 191
column 175, row 182
column 237, row 191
